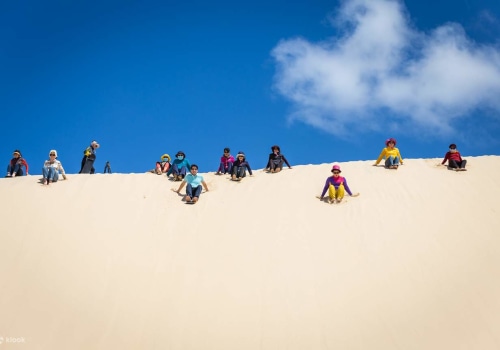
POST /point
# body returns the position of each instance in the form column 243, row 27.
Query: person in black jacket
column 240, row 166
column 276, row 159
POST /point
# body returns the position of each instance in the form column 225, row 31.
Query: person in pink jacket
column 226, row 163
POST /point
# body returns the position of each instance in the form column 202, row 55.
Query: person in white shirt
column 51, row 169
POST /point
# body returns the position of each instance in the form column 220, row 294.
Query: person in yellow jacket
column 391, row 155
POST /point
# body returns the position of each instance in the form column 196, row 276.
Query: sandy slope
column 119, row 262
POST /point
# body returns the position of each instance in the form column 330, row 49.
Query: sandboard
column 89, row 163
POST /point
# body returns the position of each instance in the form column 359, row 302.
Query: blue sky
column 326, row 80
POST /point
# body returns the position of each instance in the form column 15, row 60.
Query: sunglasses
column 336, row 172
column 52, row 154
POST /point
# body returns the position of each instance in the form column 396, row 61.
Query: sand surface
column 120, row 262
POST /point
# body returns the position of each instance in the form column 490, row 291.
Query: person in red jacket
column 455, row 161
column 15, row 167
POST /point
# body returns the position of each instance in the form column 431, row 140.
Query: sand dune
column 120, row 262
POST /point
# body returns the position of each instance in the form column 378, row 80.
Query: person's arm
column 25, row 163
column 61, row 169
column 446, row 157
column 269, row 160
column 325, row 188
column 400, row 158
column 382, row 154
column 248, row 167
column 204, row 185
column 286, row 162
column 183, row 183
column 347, row 187
column 170, row 169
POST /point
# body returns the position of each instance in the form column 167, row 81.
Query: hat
column 95, row 144
column 18, row 152
column 336, row 167
column 240, row 154
column 165, row 156
column 53, row 151
column 180, row 153
column 390, row 140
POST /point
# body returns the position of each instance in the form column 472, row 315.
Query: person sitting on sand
column 226, row 163
column 163, row 166
column 391, row 154
column 194, row 183
column 51, row 169
column 16, row 165
column 239, row 167
column 276, row 159
column 336, row 186
column 179, row 166
column 455, row 161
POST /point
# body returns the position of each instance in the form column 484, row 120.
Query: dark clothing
column 454, row 164
column 107, row 168
column 16, row 166
column 239, row 167
column 89, row 152
column 92, row 171
column 276, row 161
column 193, row 191
column 176, row 171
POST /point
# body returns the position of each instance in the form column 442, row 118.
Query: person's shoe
column 339, row 200
column 8, row 175
column 233, row 177
column 13, row 174
column 218, row 173
column 195, row 199
column 188, row 199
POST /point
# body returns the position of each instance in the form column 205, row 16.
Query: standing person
column 16, row 165
column 391, row 154
column 226, row 163
column 194, row 183
column 240, row 166
column 336, row 186
column 89, row 155
column 276, row 159
column 455, row 161
column 179, row 166
column 163, row 166
column 51, row 168
column 107, row 168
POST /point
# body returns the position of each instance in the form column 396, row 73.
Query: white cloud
column 381, row 71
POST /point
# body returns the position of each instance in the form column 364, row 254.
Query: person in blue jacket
column 179, row 167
